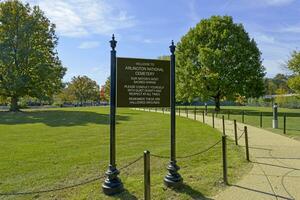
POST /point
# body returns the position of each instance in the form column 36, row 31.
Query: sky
column 145, row 28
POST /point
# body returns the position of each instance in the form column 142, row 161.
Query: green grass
column 42, row 149
column 252, row 117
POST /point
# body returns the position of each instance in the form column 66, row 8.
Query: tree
column 29, row 64
column 294, row 65
column 294, row 83
column 107, row 89
column 280, row 81
column 66, row 95
column 84, row 89
column 217, row 59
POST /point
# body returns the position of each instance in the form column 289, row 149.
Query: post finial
column 113, row 42
column 172, row 47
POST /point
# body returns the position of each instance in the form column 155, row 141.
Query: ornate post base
column 173, row 179
column 112, row 184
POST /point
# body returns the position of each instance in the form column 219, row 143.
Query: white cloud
column 77, row 18
column 276, row 2
column 263, row 38
column 89, row 45
column 291, row 29
column 263, row 3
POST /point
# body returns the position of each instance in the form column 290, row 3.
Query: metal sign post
column 112, row 183
column 173, row 178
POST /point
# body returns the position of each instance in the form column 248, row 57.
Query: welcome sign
column 143, row 82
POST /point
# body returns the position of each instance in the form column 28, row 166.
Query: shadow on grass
column 56, row 118
column 125, row 195
column 194, row 194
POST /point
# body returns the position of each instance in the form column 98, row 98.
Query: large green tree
column 294, row 65
column 218, row 60
column 29, row 64
column 84, row 89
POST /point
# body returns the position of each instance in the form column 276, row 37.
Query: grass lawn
column 252, row 117
column 42, row 149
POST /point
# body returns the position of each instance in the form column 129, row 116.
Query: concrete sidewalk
column 276, row 165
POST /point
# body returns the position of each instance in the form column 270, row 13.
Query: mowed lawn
column 252, row 117
column 44, row 149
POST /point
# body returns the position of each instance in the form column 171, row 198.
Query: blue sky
column 144, row 28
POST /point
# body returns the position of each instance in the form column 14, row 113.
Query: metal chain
column 205, row 150
column 159, row 156
column 188, row 156
column 131, row 163
column 52, row 190
column 69, row 186
column 241, row 135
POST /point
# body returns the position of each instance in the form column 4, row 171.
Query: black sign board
column 143, row 83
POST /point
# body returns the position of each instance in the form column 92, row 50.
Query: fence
column 254, row 118
column 147, row 155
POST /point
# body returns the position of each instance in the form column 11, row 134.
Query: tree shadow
column 194, row 194
column 262, row 192
column 57, row 118
column 125, row 195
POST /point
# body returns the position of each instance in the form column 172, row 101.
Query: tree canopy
column 218, row 60
column 84, row 89
column 29, row 63
column 294, row 65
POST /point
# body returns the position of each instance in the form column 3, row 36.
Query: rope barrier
column 203, row 151
column 52, row 190
column 191, row 155
column 241, row 135
column 69, row 186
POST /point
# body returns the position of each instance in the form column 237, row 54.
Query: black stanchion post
column 173, row 179
column 195, row 113
column 163, row 110
column 223, row 123
column 213, row 119
column 284, row 123
column 112, row 184
column 235, row 132
column 246, row 143
column 243, row 116
column 260, row 121
column 203, row 116
column 224, row 156
column 147, row 175
column 205, row 108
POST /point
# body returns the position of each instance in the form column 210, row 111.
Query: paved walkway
column 276, row 165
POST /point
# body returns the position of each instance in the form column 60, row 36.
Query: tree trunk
column 14, row 104
column 217, row 103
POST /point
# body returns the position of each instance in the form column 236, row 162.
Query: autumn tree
column 84, row 89
column 217, row 59
column 29, row 64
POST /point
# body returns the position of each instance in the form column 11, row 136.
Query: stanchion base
column 173, row 179
column 112, row 184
